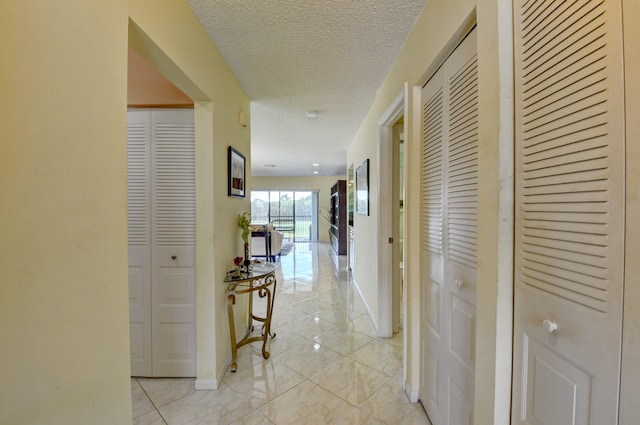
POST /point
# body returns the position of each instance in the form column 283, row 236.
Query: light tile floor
column 326, row 364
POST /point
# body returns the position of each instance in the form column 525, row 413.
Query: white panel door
column 139, row 230
column 569, row 212
column 173, row 213
column 461, row 228
column 161, row 211
column 432, row 326
column 449, row 237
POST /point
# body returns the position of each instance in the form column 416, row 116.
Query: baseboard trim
column 213, row 384
column 227, row 365
column 366, row 306
column 413, row 395
column 206, row 384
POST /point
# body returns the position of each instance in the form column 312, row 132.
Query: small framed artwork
column 362, row 188
column 237, row 173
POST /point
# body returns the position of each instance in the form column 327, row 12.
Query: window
column 294, row 213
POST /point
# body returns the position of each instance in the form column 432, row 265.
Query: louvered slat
column 462, row 166
column 138, row 183
column 174, row 190
column 432, row 174
column 564, row 152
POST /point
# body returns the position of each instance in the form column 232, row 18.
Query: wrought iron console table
column 261, row 278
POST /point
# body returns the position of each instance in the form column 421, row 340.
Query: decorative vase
column 247, row 259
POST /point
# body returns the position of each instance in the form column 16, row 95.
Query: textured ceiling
column 294, row 56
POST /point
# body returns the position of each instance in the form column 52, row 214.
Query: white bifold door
column 449, row 237
column 569, row 206
column 161, row 213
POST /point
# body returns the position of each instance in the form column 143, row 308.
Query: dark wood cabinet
column 338, row 227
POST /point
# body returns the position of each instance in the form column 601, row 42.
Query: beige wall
column 64, row 357
column 321, row 183
column 438, row 29
column 64, row 351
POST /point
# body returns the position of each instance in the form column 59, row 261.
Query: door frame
column 630, row 374
column 388, row 280
column 208, row 374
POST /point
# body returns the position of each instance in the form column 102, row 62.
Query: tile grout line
column 322, row 294
column 151, row 401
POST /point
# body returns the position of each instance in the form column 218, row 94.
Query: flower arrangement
column 244, row 223
column 237, row 272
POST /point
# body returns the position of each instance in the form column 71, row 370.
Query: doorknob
column 173, row 257
column 549, row 326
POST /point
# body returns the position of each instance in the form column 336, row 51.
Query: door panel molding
column 161, row 215
column 449, row 231
column 569, row 212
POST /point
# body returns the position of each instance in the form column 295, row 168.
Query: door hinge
column 390, row 240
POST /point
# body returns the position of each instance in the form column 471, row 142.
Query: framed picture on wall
column 237, row 173
column 362, row 188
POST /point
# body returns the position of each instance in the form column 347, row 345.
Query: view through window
column 292, row 212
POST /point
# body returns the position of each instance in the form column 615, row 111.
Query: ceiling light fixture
column 312, row 114
column 316, row 172
column 316, row 165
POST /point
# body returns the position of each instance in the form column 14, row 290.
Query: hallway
column 326, row 365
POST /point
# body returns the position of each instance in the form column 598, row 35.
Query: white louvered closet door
column 432, row 326
column 162, row 294
column 449, row 237
column 139, row 229
column 569, row 212
column 173, row 238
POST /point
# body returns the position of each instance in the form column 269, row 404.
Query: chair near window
column 284, row 225
column 266, row 242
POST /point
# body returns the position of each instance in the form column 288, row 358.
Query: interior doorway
column 161, row 239
column 391, row 128
column 350, row 205
column 398, row 160
column 161, row 224
column 183, row 72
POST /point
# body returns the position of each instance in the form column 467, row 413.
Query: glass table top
column 256, row 271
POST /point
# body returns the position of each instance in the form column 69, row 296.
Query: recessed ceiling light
column 316, row 165
column 312, row 114
column 316, row 172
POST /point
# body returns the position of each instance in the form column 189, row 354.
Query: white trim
column 222, row 371
column 630, row 374
column 385, row 213
column 394, row 111
column 366, row 306
column 466, row 27
column 413, row 395
column 206, row 384
column 213, row 384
